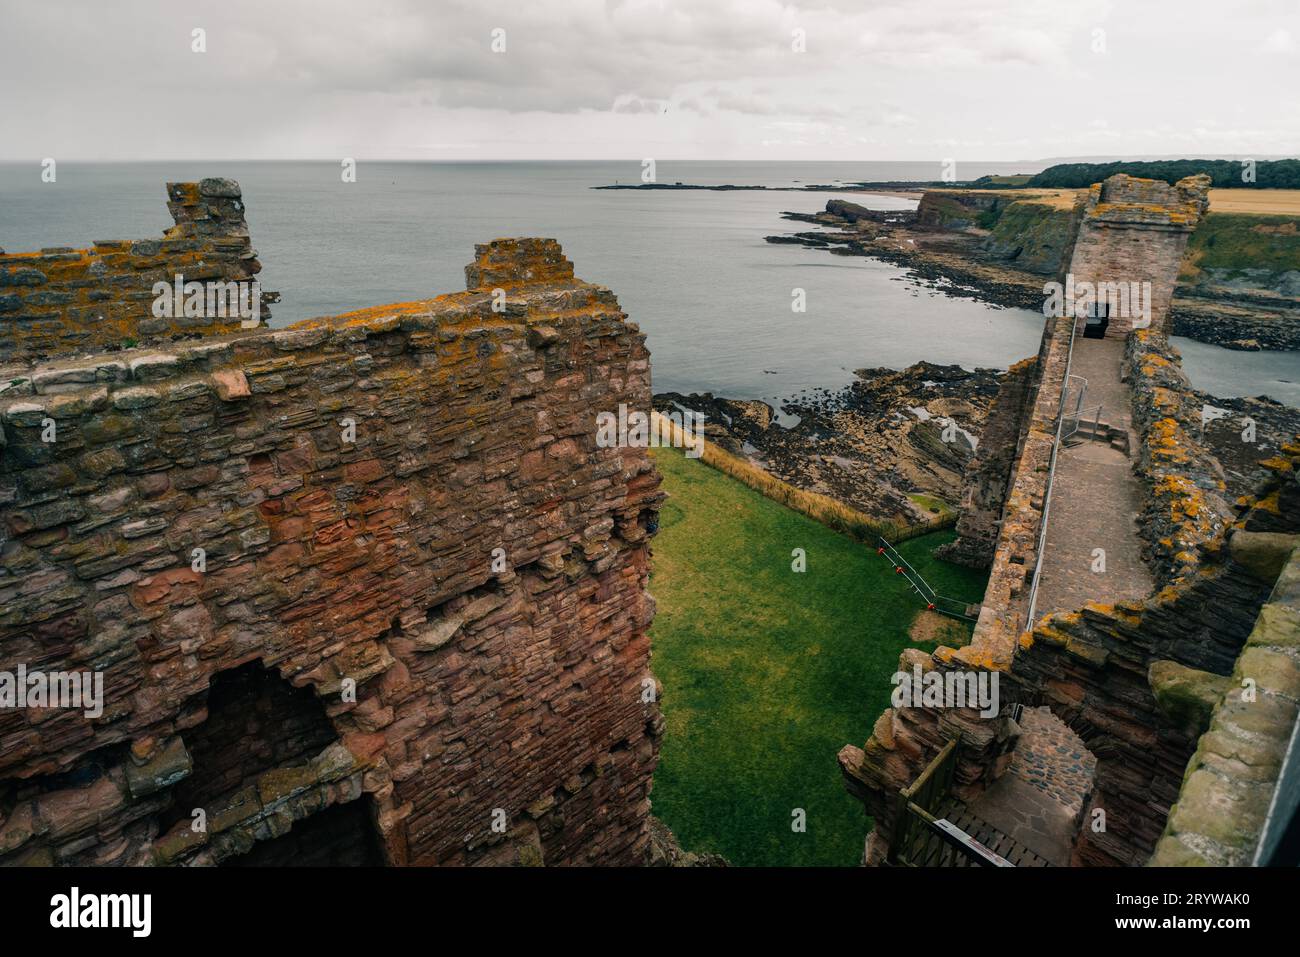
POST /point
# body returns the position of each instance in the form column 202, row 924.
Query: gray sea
column 690, row 267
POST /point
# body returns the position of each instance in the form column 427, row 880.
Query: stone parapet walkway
column 1095, row 501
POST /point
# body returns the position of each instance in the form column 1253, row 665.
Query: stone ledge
column 1231, row 778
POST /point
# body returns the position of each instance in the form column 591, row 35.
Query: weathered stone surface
column 102, row 297
column 438, row 633
column 194, row 519
column 165, row 768
column 1264, row 553
column 230, row 384
column 1140, row 677
column 1186, row 505
column 1186, row 696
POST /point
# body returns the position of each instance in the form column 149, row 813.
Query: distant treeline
column 1269, row 174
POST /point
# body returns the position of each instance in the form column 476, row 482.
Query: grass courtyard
column 766, row 671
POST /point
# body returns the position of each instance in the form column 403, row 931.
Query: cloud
column 596, row 78
column 1280, row 41
column 631, row 103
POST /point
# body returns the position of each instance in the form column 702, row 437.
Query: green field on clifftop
column 767, row 672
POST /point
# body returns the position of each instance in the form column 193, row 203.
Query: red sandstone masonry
column 330, row 562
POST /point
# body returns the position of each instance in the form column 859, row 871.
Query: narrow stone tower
column 1130, row 243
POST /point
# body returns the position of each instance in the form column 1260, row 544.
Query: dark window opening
column 256, row 721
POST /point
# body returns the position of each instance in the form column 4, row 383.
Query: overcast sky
column 670, row 79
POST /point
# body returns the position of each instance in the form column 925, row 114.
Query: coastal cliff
column 1238, row 287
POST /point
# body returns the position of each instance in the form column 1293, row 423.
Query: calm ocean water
column 690, row 267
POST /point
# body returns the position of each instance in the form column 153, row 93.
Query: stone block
column 168, row 765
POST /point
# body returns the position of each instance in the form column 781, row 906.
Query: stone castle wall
column 1186, row 503
column 1106, row 667
column 984, row 486
column 1232, row 779
column 458, row 587
column 1140, row 680
column 1135, row 231
column 1142, row 675
column 62, row 299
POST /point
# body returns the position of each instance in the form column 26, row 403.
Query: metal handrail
column 923, row 588
column 1078, row 404
column 1051, row 479
column 1077, row 417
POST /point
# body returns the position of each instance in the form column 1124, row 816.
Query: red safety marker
column 880, row 551
column 929, row 606
column 898, row 569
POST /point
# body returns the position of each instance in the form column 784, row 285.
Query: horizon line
column 1100, row 158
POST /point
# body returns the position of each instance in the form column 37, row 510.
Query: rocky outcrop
column 962, row 208
column 1034, row 236
column 400, row 513
column 889, row 435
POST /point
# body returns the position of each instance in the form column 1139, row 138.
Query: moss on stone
column 1185, row 695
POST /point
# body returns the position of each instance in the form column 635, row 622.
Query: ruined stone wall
column 460, row 583
column 1137, row 679
column 1139, row 673
column 1136, row 230
column 62, row 299
column 988, row 474
column 1230, row 781
column 1005, row 608
column 904, row 739
column 1185, row 505
column 1092, row 666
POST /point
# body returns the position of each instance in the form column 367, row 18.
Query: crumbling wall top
column 1149, row 202
column 62, row 301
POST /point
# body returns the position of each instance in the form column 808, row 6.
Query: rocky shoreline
column 944, row 264
column 908, row 190
column 1228, row 438
column 883, row 443
column 892, row 444
column 878, row 444
column 957, row 262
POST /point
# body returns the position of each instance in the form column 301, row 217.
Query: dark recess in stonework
column 256, row 721
column 340, row 836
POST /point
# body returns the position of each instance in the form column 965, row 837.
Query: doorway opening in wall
column 1097, row 320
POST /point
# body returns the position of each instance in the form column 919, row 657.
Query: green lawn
column 768, row 672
